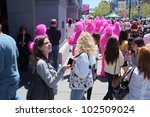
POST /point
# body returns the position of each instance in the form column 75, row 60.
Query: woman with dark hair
column 123, row 36
column 43, row 85
column 139, row 86
column 113, row 62
column 137, row 43
column 23, row 40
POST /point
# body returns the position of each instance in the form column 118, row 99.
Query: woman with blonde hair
column 81, row 76
column 139, row 85
column 125, row 51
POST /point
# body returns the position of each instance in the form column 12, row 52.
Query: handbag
column 81, row 83
column 116, row 81
column 38, row 89
column 122, row 89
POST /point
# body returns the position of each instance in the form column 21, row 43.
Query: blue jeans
column 77, row 94
column 9, row 92
column 54, row 53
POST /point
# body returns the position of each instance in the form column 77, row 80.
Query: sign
column 85, row 9
column 121, row 5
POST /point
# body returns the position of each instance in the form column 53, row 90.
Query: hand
column 66, row 67
column 99, row 58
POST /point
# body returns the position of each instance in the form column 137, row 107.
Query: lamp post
column 129, row 8
column 139, row 11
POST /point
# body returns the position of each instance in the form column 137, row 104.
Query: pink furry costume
column 103, row 42
column 117, row 29
column 98, row 23
column 77, row 32
column 89, row 26
column 40, row 30
column 101, row 31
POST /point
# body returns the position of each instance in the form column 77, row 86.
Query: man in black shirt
column 54, row 36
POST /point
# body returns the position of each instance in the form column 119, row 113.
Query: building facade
column 114, row 6
column 30, row 13
column 122, row 8
column 133, row 2
column 74, row 9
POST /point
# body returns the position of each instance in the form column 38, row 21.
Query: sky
column 93, row 3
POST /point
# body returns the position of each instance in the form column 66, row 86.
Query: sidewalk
column 99, row 88
column 98, row 92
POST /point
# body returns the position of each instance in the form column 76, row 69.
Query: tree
column 144, row 10
column 102, row 9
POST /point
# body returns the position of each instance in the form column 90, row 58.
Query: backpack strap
column 131, row 75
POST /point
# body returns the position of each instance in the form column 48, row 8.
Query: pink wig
column 77, row 32
column 89, row 26
column 105, row 24
column 40, row 30
column 98, row 25
column 117, row 29
column 108, row 30
column 109, row 21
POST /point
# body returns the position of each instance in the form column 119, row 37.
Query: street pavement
column 98, row 92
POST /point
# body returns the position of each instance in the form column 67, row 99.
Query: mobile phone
column 70, row 61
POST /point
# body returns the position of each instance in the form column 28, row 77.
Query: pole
column 129, row 8
column 139, row 11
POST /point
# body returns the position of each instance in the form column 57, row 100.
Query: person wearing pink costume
column 103, row 42
column 77, row 32
column 109, row 21
column 97, row 24
column 117, row 29
column 102, row 28
column 40, row 30
column 90, row 27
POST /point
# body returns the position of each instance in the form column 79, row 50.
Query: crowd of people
column 120, row 44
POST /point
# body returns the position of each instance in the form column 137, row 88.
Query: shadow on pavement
column 25, row 78
column 102, row 79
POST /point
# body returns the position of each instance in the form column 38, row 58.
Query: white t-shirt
column 69, row 30
column 146, row 38
column 127, row 25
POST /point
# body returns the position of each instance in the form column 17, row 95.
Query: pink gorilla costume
column 103, row 42
column 117, row 29
column 89, row 26
column 104, row 25
column 77, row 32
column 40, row 30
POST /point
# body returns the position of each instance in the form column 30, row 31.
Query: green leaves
column 102, row 9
